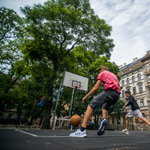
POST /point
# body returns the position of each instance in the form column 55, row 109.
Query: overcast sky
column 130, row 20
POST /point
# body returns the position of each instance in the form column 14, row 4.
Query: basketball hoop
column 76, row 84
column 75, row 87
column 72, row 80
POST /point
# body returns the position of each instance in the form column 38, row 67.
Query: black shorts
column 106, row 99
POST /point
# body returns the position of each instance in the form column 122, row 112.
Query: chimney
column 148, row 52
column 124, row 64
column 120, row 66
column 134, row 59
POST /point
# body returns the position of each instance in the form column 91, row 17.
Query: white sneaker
column 125, row 131
column 79, row 133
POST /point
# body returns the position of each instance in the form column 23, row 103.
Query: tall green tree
column 10, row 36
column 54, row 30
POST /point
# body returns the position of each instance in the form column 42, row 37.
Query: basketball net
column 76, row 86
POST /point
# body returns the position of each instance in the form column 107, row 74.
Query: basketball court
column 32, row 139
column 23, row 139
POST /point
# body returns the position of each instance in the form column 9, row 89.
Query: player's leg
column 87, row 116
column 139, row 115
column 110, row 99
column 103, row 123
column 130, row 114
column 82, row 131
column 145, row 120
column 126, row 131
column 127, row 122
column 104, row 113
column 94, row 104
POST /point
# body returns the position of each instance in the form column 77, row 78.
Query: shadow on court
column 24, row 139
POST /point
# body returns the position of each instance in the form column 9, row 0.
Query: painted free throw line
column 34, row 135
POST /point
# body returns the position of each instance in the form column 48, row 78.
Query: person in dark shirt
column 134, row 112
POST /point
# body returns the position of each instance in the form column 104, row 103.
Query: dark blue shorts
column 106, row 99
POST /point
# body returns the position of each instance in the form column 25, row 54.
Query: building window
column 122, row 82
column 141, row 102
column 133, row 79
column 147, row 66
column 128, row 81
column 140, row 89
column 123, row 93
column 134, row 90
column 139, row 77
column 148, row 78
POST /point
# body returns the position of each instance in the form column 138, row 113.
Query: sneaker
column 102, row 127
column 79, row 133
column 125, row 131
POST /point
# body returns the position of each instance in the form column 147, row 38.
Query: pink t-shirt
column 109, row 80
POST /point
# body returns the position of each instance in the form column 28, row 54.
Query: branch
column 52, row 37
column 61, row 45
column 74, row 45
column 3, row 36
column 15, row 81
column 3, row 74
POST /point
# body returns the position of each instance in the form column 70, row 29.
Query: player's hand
column 84, row 98
column 124, row 107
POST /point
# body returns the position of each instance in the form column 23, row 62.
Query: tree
column 54, row 30
column 10, row 34
column 9, row 24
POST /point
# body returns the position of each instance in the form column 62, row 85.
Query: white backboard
column 71, row 80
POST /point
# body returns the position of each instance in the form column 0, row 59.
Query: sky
column 130, row 21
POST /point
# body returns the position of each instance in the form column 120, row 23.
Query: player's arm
column 129, row 103
column 94, row 89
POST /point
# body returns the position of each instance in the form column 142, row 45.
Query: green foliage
column 9, row 24
column 56, row 36
column 53, row 30
column 10, row 36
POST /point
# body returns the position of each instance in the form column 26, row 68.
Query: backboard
column 71, row 80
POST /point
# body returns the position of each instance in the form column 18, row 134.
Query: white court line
column 34, row 135
column 26, row 133
column 53, row 136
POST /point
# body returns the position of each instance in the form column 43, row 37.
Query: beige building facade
column 146, row 69
column 136, row 78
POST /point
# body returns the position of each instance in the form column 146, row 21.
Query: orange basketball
column 75, row 120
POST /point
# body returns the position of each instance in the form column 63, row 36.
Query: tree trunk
column 48, row 104
column 47, row 116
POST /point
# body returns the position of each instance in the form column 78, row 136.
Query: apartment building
column 136, row 78
column 146, row 69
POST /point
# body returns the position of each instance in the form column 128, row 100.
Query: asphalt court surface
column 24, row 139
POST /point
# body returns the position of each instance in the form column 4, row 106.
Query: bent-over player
column 106, row 99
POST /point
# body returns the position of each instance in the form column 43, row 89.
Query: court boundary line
column 34, row 135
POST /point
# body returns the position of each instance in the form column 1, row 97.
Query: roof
column 146, row 57
column 131, row 64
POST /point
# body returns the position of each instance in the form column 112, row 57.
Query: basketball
column 75, row 120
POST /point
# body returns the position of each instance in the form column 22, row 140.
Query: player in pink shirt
column 106, row 99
